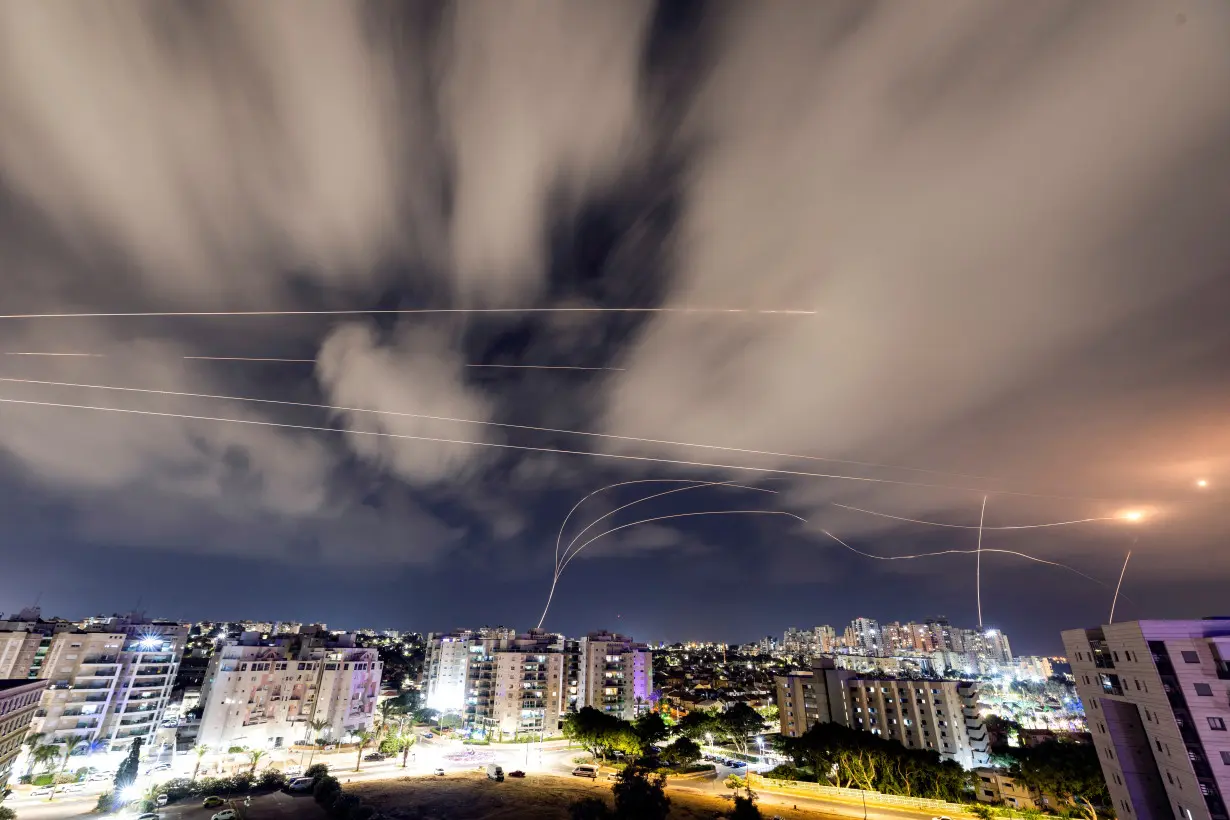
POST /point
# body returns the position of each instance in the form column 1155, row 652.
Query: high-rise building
column 867, row 636
column 107, row 682
column 1157, row 699
column 934, row 715
column 266, row 692
column 19, row 700
column 615, row 674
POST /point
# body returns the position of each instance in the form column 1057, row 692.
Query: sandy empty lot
column 470, row 796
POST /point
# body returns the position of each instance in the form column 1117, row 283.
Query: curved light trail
column 560, row 536
column 661, row 518
column 970, row 526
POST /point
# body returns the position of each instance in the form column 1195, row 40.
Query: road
column 552, row 757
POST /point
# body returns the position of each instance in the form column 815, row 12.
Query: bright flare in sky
column 1200, row 482
column 1132, row 515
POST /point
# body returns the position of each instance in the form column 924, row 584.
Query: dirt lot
column 470, row 796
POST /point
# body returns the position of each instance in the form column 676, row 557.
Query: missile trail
column 971, row 527
column 559, row 450
column 650, row 520
column 978, row 571
column 304, row 361
column 549, row 430
column 965, row 552
column 559, row 538
column 696, row 486
column 407, row 312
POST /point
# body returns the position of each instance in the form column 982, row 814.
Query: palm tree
column 317, row 726
column 45, row 755
column 32, row 742
column 201, row 751
column 365, row 737
column 407, row 739
column 70, row 743
column 389, row 710
column 255, row 756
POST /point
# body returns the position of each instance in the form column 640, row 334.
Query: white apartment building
column 265, row 693
column 934, row 715
column 1157, row 699
column 108, row 683
column 614, row 674
column 19, row 700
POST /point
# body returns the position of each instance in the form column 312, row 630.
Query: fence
column 803, row 788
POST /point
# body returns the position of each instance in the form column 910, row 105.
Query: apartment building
column 265, row 693
column 935, row 715
column 1157, row 699
column 19, row 701
column 614, row 674
column 109, row 682
column 518, row 684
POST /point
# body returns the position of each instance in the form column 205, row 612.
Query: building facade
column 19, row 700
column 933, row 715
column 614, row 674
column 1157, row 699
column 266, row 693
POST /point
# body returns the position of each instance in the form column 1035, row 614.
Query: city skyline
column 355, row 305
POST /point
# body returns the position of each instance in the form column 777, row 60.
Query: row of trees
column 1068, row 771
column 844, row 757
column 734, row 726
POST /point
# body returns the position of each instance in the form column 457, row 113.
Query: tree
column 738, row 722
column 408, row 739
column 651, row 728
column 683, row 752
column 365, row 738
column 70, row 744
column 201, row 750
column 1070, row 771
column 126, row 774
column 45, row 756
column 592, row 729
column 32, row 742
column 389, row 710
column 316, row 727
column 255, row 756
column 698, row 724
column 640, row 796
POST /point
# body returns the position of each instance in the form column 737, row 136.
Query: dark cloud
column 1007, row 217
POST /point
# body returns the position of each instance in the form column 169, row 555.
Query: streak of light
column 695, row 486
column 545, row 430
column 306, row 361
column 406, row 312
column 1119, row 585
column 561, row 451
column 971, row 527
column 978, row 571
column 560, row 536
column 965, row 552
column 661, row 518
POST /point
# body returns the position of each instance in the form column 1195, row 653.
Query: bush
column 390, row 746
column 7, row 814
column 105, row 804
column 176, row 789
column 343, row 805
column 43, row 779
column 326, row 790
column 234, row 750
column 317, row 770
column 472, row 742
column 271, row 779
column 786, row 772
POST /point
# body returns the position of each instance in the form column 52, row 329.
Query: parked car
column 439, row 772
column 41, row 791
column 301, row 784
column 211, row 801
column 162, row 799
column 375, row 756
column 586, row 770
column 517, row 773
column 428, row 735
column 495, row 772
column 225, row 814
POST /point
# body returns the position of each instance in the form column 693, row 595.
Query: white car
column 41, row 791
column 225, row 814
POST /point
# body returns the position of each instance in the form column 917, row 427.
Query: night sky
column 1001, row 227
